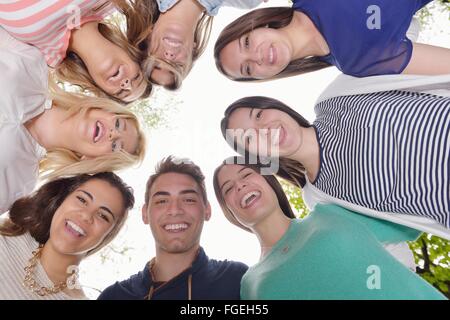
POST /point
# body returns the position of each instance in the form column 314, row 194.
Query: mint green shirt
column 335, row 253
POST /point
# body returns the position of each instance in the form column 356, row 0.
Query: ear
column 144, row 214
column 207, row 211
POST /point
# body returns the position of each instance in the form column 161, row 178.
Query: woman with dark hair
column 49, row 233
column 360, row 37
column 385, row 154
column 331, row 254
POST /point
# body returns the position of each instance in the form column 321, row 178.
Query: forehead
column 138, row 91
column 103, row 194
column 230, row 171
column 174, row 183
column 239, row 117
column 229, row 58
column 162, row 76
column 132, row 137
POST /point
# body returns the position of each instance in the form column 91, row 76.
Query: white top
column 14, row 255
column 346, row 85
column 24, row 84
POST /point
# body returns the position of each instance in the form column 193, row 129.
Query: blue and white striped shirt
column 387, row 151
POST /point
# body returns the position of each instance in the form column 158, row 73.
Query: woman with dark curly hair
column 49, row 233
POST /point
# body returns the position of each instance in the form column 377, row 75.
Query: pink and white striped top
column 47, row 24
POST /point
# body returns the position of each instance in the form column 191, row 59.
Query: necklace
column 31, row 284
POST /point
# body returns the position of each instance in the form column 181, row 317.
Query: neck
column 185, row 12
column 49, row 128
column 309, row 152
column 305, row 38
column 56, row 264
column 168, row 265
column 271, row 230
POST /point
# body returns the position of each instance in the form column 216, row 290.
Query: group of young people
column 374, row 165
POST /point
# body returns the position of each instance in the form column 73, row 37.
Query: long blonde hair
column 62, row 162
column 139, row 20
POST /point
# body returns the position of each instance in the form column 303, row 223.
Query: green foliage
column 295, row 198
column 431, row 253
column 425, row 14
column 155, row 111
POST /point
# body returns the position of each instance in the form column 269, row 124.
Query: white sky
column 194, row 133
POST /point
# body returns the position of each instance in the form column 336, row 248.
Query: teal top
column 335, row 253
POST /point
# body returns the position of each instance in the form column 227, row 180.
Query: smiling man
column 176, row 206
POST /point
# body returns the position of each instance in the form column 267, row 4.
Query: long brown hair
column 276, row 18
column 34, row 213
column 201, row 38
column 140, row 16
column 291, row 170
column 270, row 179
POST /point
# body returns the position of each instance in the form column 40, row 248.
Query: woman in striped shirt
column 83, row 48
column 387, row 151
column 49, row 233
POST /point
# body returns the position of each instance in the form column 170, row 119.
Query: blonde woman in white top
column 49, row 233
column 55, row 134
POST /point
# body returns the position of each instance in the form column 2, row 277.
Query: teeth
column 177, row 226
column 172, row 43
column 270, row 55
column 248, row 198
column 76, row 228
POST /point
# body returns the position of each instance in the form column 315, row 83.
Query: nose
column 255, row 56
column 174, row 208
column 169, row 55
column 87, row 216
column 113, row 134
column 240, row 185
column 125, row 84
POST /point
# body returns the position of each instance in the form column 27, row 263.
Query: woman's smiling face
column 259, row 54
column 246, row 193
column 99, row 132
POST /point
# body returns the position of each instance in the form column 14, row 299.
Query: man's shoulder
column 226, row 266
column 133, row 288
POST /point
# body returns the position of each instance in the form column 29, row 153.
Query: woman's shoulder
column 17, row 245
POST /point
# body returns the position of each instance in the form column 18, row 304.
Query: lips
column 172, row 42
column 272, row 55
column 277, row 135
column 250, row 198
column 74, row 229
column 99, row 131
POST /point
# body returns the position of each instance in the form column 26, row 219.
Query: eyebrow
column 240, row 50
column 165, row 193
column 240, row 170
column 251, row 112
column 101, row 207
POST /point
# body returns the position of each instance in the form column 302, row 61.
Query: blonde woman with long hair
column 81, row 46
column 180, row 35
column 48, row 133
